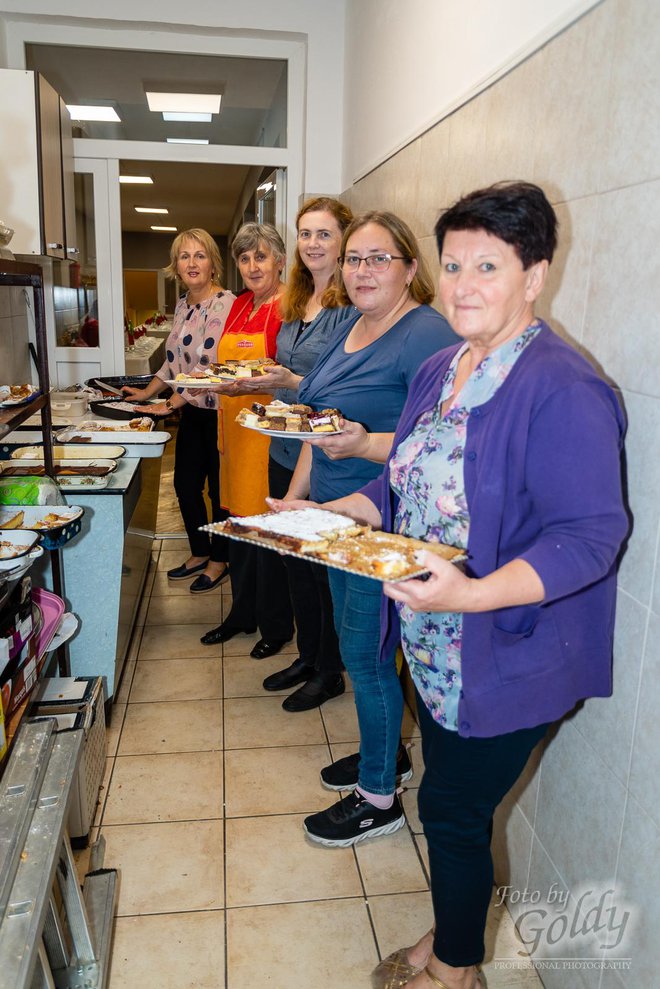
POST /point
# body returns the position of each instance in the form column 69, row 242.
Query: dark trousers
column 260, row 592
column 310, row 596
column 196, row 463
column 464, row 781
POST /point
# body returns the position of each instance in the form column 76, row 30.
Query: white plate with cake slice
column 290, row 434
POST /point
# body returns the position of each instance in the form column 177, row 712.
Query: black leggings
column 196, row 463
column 464, row 781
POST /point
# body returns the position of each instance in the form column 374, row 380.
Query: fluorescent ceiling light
column 194, row 118
column 170, row 229
column 184, row 102
column 79, row 112
column 150, row 209
column 187, row 140
column 136, row 180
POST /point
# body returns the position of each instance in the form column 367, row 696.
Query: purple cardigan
column 543, row 483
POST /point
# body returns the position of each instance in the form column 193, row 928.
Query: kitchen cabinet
column 36, row 164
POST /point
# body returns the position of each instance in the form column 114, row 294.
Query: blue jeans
column 378, row 696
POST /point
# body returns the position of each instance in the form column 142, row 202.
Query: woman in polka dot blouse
column 199, row 320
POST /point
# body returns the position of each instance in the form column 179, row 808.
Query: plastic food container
column 69, row 402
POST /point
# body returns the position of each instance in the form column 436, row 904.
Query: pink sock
column 377, row 799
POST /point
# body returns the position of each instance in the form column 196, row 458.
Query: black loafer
column 298, row 672
column 318, row 689
column 183, row 573
column 264, row 649
column 223, row 633
column 204, row 583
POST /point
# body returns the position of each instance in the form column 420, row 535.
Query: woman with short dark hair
column 509, row 447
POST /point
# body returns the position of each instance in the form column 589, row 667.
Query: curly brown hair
column 300, row 284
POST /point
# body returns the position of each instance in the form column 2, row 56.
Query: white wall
column 317, row 23
column 410, row 64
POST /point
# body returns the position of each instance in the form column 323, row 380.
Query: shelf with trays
column 15, row 274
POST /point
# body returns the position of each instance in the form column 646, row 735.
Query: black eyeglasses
column 376, row 262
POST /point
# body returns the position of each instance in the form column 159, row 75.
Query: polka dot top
column 193, row 342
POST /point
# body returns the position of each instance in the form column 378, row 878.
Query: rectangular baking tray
column 217, row 529
column 110, row 465
column 136, row 444
column 70, row 452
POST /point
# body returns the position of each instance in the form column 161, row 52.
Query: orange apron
column 244, row 452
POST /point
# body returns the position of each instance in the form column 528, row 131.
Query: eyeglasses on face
column 375, row 262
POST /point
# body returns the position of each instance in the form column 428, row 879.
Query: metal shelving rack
column 51, row 932
column 21, row 274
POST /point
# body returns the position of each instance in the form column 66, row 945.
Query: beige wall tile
column 621, row 326
column 563, row 303
column 631, row 149
column 574, row 107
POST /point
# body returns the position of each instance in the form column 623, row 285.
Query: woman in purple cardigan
column 509, row 447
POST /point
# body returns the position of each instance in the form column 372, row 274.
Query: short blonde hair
column 250, row 235
column 206, row 240
column 421, row 287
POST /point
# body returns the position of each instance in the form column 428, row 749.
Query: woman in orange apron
column 258, row 578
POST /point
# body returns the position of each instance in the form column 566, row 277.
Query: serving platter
column 362, row 564
column 6, row 400
column 38, row 518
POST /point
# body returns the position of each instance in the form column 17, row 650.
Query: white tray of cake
column 335, row 541
column 226, row 371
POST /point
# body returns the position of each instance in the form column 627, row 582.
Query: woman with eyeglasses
column 365, row 373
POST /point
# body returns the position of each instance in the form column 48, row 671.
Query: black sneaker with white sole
column 343, row 774
column 353, row 819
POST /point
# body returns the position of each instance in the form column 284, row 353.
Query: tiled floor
column 207, row 783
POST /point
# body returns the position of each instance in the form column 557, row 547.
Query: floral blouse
column 426, row 472
column 193, row 342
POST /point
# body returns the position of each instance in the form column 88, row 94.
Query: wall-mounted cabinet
column 36, row 166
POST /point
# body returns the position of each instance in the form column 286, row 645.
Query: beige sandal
column 441, row 985
column 394, row 972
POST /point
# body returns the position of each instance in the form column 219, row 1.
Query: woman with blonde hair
column 199, row 319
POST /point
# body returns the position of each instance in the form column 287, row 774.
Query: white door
column 88, row 335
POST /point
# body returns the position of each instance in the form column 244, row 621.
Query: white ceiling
column 196, row 194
